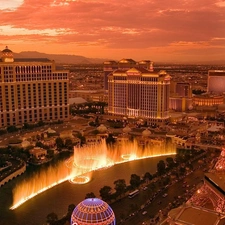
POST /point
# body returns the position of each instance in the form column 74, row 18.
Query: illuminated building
column 212, row 192
column 187, row 215
column 109, row 67
column 181, row 89
column 89, row 95
column 180, row 96
column 124, row 64
column 31, row 90
column 93, row 211
column 139, row 93
column 207, row 100
column 180, row 104
column 216, row 81
column 38, row 152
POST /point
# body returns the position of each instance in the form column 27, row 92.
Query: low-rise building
column 189, row 215
column 38, row 153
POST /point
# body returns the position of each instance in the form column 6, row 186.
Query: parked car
column 144, row 213
column 164, row 195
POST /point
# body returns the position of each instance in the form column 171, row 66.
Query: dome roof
column 7, row 55
column 25, row 144
column 6, row 50
column 126, row 129
column 146, row 133
column 93, row 211
column 102, row 128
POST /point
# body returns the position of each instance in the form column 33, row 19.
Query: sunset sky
column 159, row 30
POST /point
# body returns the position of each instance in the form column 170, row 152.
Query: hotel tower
column 123, row 64
column 31, row 90
column 139, row 92
column 216, row 81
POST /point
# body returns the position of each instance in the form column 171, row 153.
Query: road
column 178, row 192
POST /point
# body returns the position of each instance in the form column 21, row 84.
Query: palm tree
column 90, row 195
column 105, row 193
column 147, row 177
column 161, row 167
column 135, row 180
column 71, row 207
column 59, row 142
column 51, row 218
column 120, row 186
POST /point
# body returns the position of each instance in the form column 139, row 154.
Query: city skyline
column 175, row 31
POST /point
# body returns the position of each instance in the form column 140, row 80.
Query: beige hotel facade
column 139, row 93
column 31, row 90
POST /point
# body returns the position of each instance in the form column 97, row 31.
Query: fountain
column 78, row 169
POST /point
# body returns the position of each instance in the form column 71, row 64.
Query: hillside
column 59, row 58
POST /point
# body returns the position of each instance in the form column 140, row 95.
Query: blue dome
column 93, row 211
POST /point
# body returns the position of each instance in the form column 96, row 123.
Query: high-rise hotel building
column 123, row 64
column 216, row 81
column 31, row 90
column 139, row 93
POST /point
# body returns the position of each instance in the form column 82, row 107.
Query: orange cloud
column 97, row 28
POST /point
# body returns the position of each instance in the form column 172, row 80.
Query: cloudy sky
column 159, row 30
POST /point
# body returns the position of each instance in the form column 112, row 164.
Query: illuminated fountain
column 79, row 168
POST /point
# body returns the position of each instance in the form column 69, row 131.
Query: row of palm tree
column 182, row 159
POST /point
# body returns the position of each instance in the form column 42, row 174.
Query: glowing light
column 80, row 180
column 22, row 200
column 77, row 169
column 129, row 157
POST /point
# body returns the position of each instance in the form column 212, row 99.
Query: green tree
column 197, row 92
column 69, row 144
column 39, row 144
column 3, row 132
column 50, row 153
column 135, row 181
column 82, row 138
column 170, row 162
column 147, row 177
column 90, row 195
column 166, row 180
column 51, row 218
column 41, row 123
column 161, row 167
column 11, row 129
column 120, row 186
column 110, row 139
column 3, row 159
column 105, row 193
column 59, row 142
column 182, row 170
column 71, row 207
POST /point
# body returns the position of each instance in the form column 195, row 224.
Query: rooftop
column 190, row 215
column 218, row 178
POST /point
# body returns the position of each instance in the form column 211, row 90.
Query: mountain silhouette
column 59, row 58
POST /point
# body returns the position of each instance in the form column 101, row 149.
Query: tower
column 108, row 67
column 7, row 55
column 139, row 93
column 216, row 81
column 31, row 90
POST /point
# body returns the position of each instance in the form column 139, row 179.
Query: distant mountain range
column 60, row 58
column 77, row 59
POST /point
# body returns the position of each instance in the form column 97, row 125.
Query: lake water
column 57, row 199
